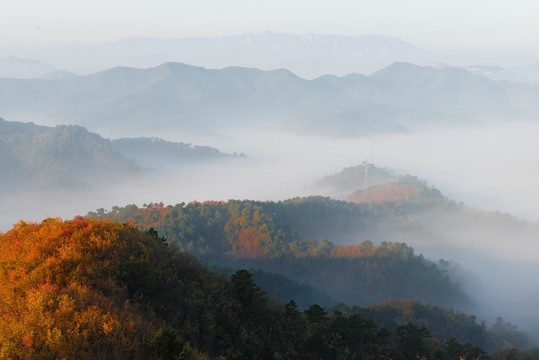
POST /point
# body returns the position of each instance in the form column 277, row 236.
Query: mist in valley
column 491, row 167
column 456, row 108
column 168, row 102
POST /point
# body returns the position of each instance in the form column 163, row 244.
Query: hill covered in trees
column 40, row 156
column 269, row 236
column 367, row 183
column 91, row 289
column 70, row 155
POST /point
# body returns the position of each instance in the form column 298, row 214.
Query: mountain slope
column 70, row 156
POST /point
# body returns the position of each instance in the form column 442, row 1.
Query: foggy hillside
column 472, row 246
column 158, row 154
column 69, row 156
column 62, row 156
column 486, row 252
column 180, row 97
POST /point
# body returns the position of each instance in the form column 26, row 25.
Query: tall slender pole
column 366, row 178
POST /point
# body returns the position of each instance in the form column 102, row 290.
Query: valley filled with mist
column 306, row 178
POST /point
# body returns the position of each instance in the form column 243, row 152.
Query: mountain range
column 181, row 97
column 309, row 55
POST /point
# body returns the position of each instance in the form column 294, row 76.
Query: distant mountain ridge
column 309, row 55
column 187, row 98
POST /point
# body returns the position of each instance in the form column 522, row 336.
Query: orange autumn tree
column 57, row 297
column 95, row 289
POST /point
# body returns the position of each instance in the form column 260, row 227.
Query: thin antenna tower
column 366, row 178
column 372, row 152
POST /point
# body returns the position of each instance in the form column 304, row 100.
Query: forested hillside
column 443, row 323
column 88, row 289
column 269, row 236
column 69, row 156
column 56, row 156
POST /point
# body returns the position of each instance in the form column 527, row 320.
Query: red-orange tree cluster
column 89, row 289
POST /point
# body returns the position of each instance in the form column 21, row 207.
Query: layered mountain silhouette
column 187, row 98
column 309, row 55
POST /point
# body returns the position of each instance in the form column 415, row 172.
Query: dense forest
column 443, row 323
column 90, row 289
column 267, row 235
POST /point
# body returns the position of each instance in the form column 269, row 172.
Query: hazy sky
column 484, row 27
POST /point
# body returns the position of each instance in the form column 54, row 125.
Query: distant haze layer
column 309, row 56
column 494, row 168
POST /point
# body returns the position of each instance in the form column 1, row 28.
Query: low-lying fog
column 490, row 167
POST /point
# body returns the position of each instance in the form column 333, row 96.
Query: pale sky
column 477, row 27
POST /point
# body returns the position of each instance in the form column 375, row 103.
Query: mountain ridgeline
column 309, row 55
column 180, row 97
column 158, row 153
